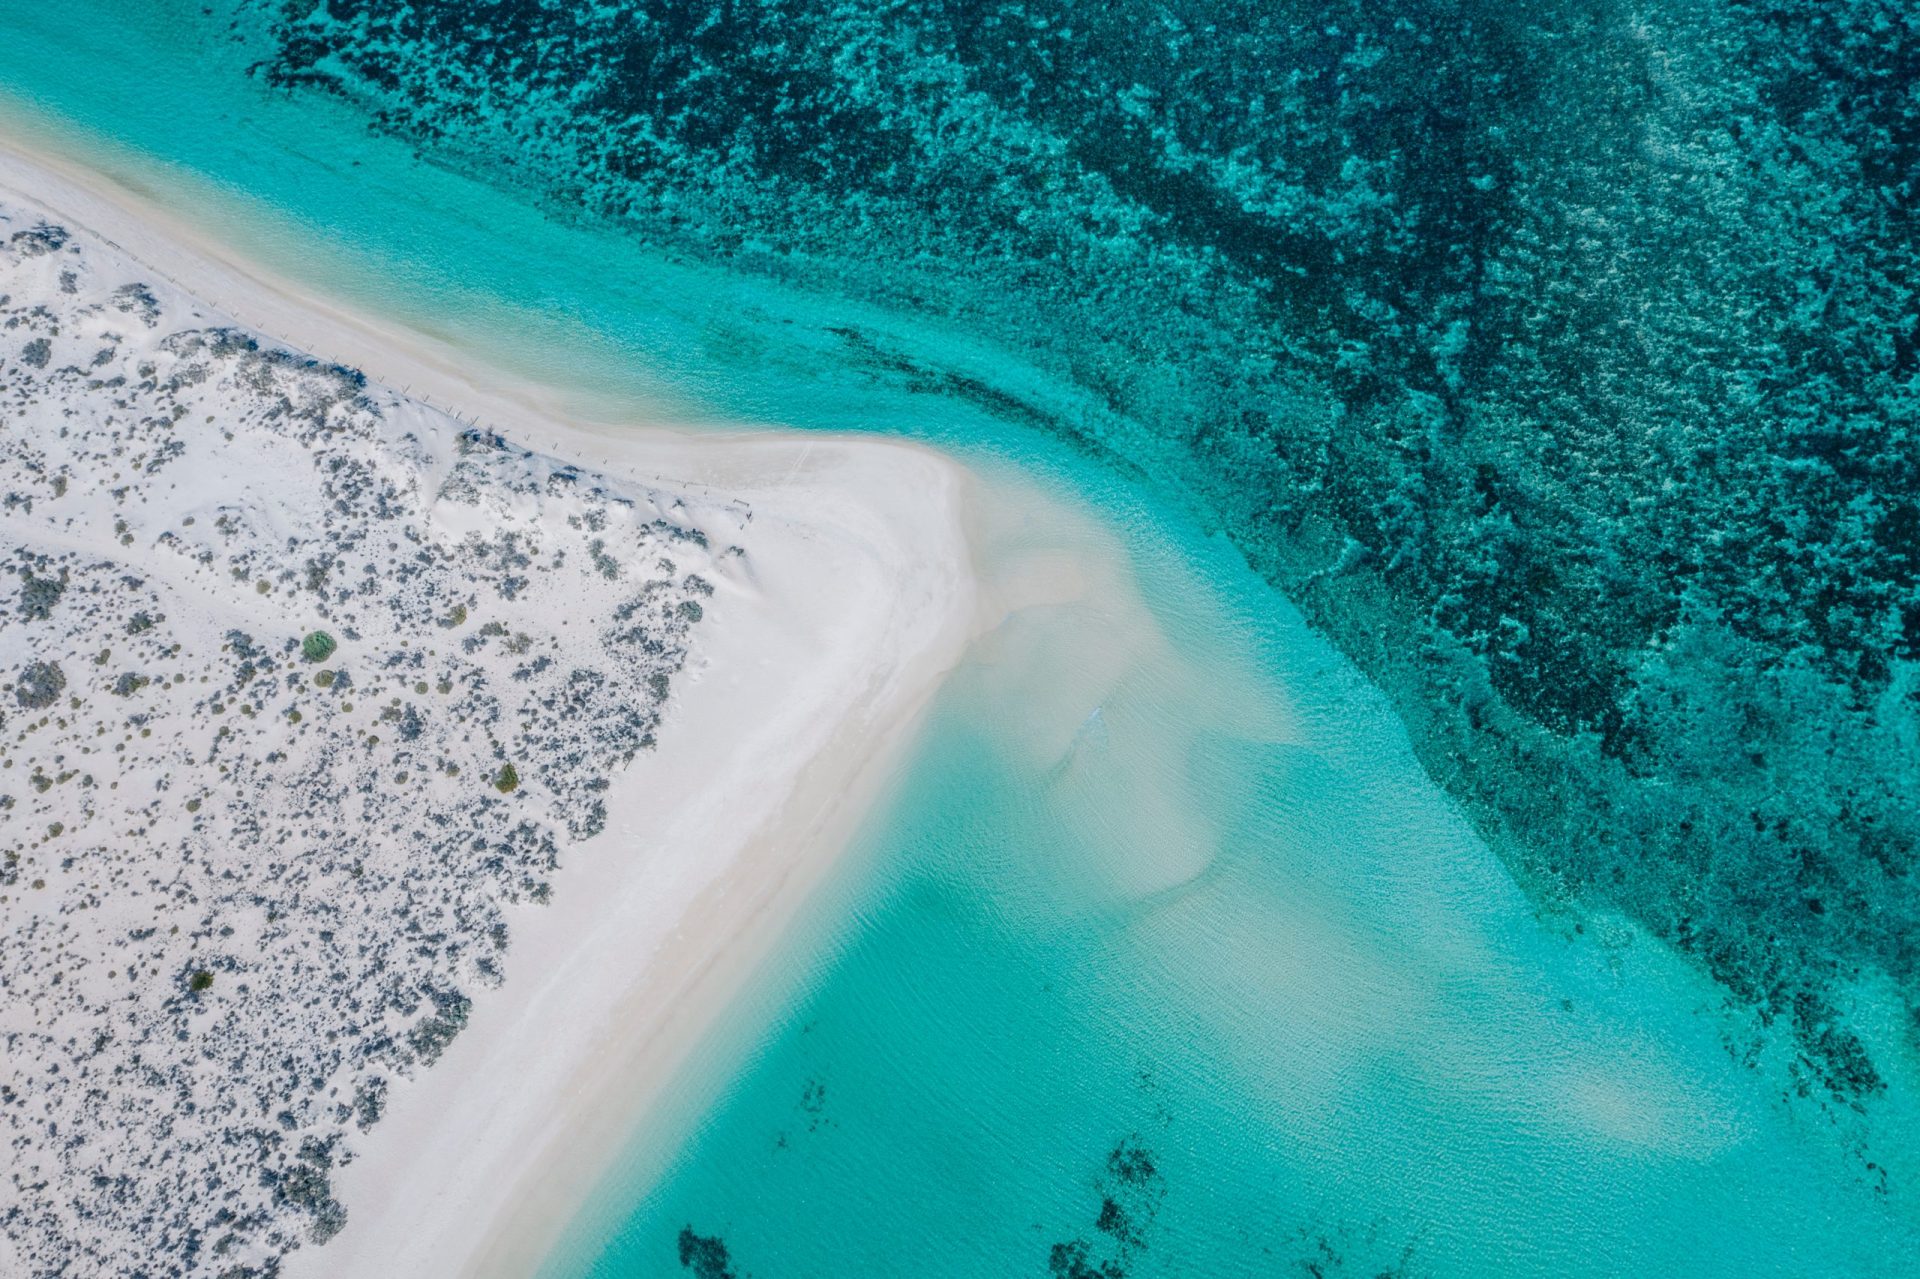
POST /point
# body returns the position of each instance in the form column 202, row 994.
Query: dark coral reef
column 1559, row 360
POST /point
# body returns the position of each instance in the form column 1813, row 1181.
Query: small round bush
column 508, row 781
column 318, row 646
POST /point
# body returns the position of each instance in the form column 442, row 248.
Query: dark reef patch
column 706, row 1256
column 1131, row 1190
column 1560, row 361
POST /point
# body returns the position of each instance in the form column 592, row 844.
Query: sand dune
column 823, row 639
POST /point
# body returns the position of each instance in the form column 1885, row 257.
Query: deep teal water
column 1166, row 963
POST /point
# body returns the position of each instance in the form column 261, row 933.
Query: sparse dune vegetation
column 252, row 866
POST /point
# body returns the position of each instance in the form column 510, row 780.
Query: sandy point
column 820, row 651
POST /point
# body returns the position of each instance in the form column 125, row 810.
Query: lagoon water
column 1163, row 958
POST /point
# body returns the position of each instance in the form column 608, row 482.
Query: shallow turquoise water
column 1324, row 1017
column 1165, row 964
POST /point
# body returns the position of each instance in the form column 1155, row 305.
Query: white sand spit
column 289, row 960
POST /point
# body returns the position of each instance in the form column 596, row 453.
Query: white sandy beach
column 808, row 679
column 812, row 683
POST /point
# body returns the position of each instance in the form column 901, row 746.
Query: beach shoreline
column 812, row 669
